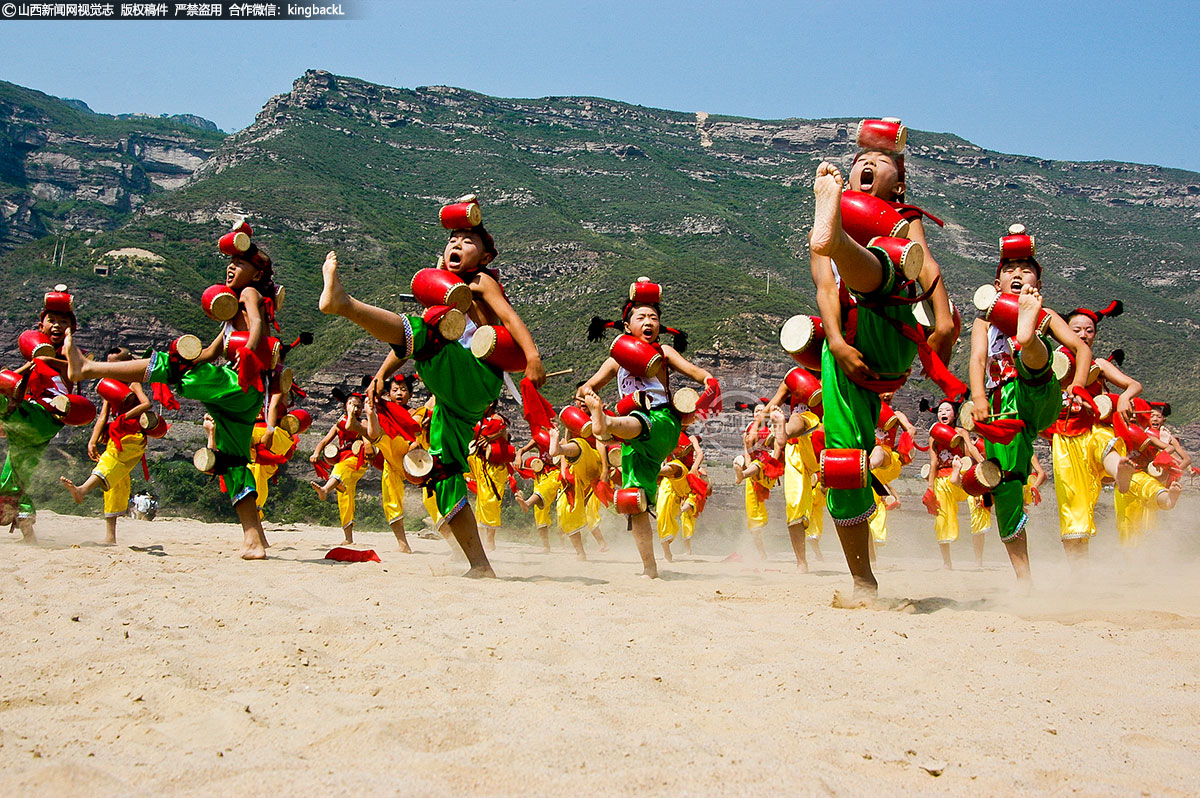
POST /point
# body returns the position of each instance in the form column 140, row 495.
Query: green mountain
column 585, row 194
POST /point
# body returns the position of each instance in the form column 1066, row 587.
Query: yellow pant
column 262, row 483
column 1078, row 473
column 671, row 493
column 393, row 450
column 886, row 474
column 949, row 495
column 429, row 501
column 113, row 469
column 348, row 473
column 756, row 509
column 593, row 512
column 798, row 486
column 890, row 469
column 545, row 485
column 490, row 482
column 572, row 517
column 687, row 522
column 1137, row 510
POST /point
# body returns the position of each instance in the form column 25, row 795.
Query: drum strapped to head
column 844, row 469
column 116, row 393
column 887, row 135
column 462, row 214
column 237, row 241
column 803, row 337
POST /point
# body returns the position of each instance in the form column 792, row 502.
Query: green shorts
column 851, row 412
column 642, row 457
column 465, row 387
column 29, row 428
column 1036, row 399
column 234, row 412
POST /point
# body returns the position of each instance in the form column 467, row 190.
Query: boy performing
column 648, row 419
column 1012, row 379
column 232, row 394
column 119, row 426
column 352, row 460
column 463, row 385
column 392, row 430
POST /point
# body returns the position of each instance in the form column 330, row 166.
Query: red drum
column 499, row 452
column 298, row 417
column 577, row 421
column 541, row 437
column 803, row 386
column 803, row 337
column 234, row 243
column 439, row 287
column 533, row 463
column 115, row 392
column 636, row 356
column 644, row 292
column 1001, row 310
column 886, row 134
column 449, row 322
column 818, row 441
column 946, row 438
column 153, row 425
column 331, row 453
column 10, row 383
column 267, row 351
column 418, row 464
column 613, row 453
column 282, row 380
column 685, row 401
column 461, row 215
column 981, row 478
column 887, row 417
column 628, row 403
column 925, row 471
column 205, row 460
column 1106, row 403
column 630, row 501
column 219, row 302
column 1017, row 245
column 59, row 300
column 33, row 343
column 844, row 469
column 908, row 255
column 495, row 345
column 187, row 347
column 966, row 415
column 923, row 311
column 864, row 217
column 74, row 410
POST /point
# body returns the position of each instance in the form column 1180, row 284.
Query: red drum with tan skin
column 1001, row 310
column 417, row 465
column 844, row 469
column 495, row 345
column 577, row 421
column 945, row 437
column 74, row 410
column 433, row 287
column 981, row 478
column 865, row 217
column 33, row 343
column 219, row 302
column 153, row 425
column 267, row 351
column 886, row 134
column 116, row 393
column 803, row 337
column 630, row 501
column 533, row 463
column 636, row 356
column 10, row 383
column 803, row 386
column 461, row 215
column 906, row 254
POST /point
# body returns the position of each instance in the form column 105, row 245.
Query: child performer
column 353, row 460
column 392, row 430
column 893, row 450
column 272, row 449
column 29, row 417
column 463, row 386
column 673, row 489
column 869, row 349
column 804, row 502
column 1012, row 376
column 580, row 467
column 1137, row 509
column 760, row 467
column 546, row 486
column 490, row 466
column 951, row 451
column 232, row 394
column 694, row 504
column 650, row 430
column 126, row 445
column 1084, row 450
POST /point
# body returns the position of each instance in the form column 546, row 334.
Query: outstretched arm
column 487, row 291
column 603, row 375
column 679, row 363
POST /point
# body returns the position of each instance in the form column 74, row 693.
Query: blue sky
column 1079, row 81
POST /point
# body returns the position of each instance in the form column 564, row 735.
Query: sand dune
column 165, row 664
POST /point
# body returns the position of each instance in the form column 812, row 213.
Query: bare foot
column 320, row 489
column 74, row 490
column 26, row 527
column 521, row 501
column 1168, row 502
column 1125, row 469
column 75, row 360
column 481, row 572
column 334, row 299
column 595, row 408
column 1029, row 307
column 802, row 567
column 254, row 552
column 666, row 547
column 650, row 573
column 827, row 218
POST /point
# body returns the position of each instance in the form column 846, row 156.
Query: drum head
column 796, row 334
column 985, row 295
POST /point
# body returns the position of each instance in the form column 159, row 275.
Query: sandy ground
column 166, row 665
